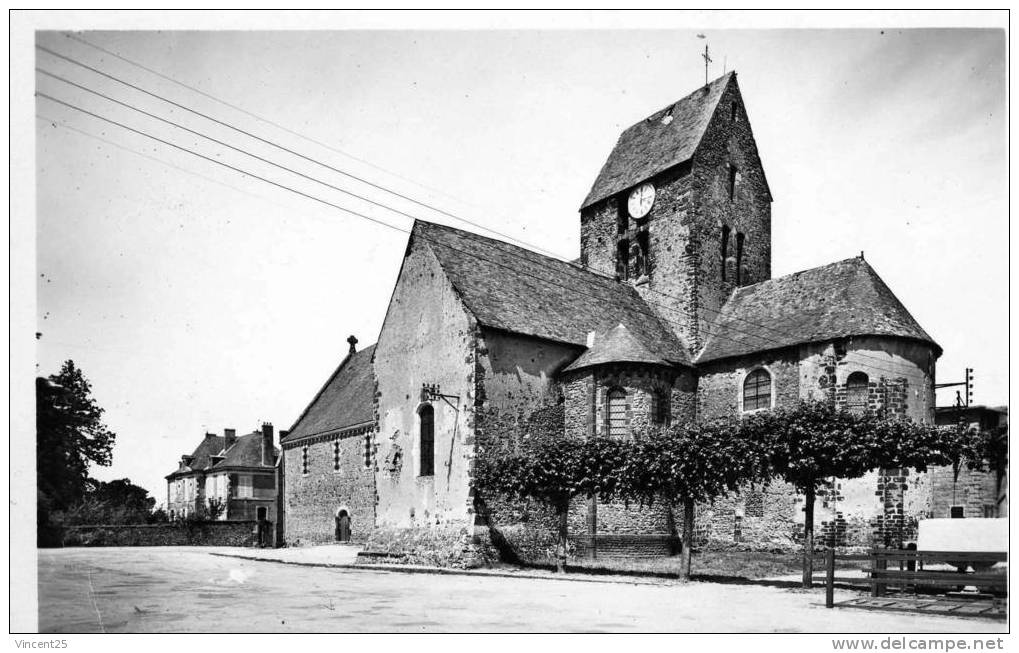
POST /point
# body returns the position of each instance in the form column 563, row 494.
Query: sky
column 196, row 298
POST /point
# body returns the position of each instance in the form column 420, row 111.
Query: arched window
column 757, row 390
column 618, row 424
column 427, row 424
column 857, row 386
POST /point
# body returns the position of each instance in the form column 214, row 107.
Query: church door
column 343, row 527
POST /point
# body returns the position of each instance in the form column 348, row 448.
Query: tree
column 689, row 464
column 553, row 471
column 70, row 436
column 808, row 443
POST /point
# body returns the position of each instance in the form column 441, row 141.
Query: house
column 669, row 315
column 963, row 492
column 228, row 477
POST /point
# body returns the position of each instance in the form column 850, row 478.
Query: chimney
column 209, row 435
column 267, row 447
column 230, row 436
column 353, row 344
column 590, row 339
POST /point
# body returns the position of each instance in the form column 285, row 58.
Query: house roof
column 616, row 346
column 656, row 144
column 841, row 299
column 346, row 399
column 246, row 452
column 201, row 457
column 514, row 289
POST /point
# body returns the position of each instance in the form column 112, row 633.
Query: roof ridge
column 685, row 97
column 576, row 266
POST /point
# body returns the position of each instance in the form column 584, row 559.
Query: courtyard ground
column 186, row 589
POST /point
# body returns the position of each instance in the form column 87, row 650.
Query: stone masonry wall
column 217, row 533
column 727, row 143
column 313, row 500
column 881, row 508
column 517, row 397
column 428, row 338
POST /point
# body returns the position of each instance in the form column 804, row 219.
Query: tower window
column 623, row 259
column 617, row 409
column 304, row 459
column 426, row 417
column 757, row 390
column 336, row 455
column 642, row 263
column 857, row 386
column 367, row 449
column 622, row 216
column 725, row 248
column 739, row 258
column 734, row 113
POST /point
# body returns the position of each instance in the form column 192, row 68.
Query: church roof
column 616, row 346
column 841, row 299
column 514, row 289
column 346, row 399
column 655, row 144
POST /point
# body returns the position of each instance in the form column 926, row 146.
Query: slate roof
column 514, row 289
column 345, row 400
column 652, row 146
column 246, row 452
column 616, row 346
column 210, row 445
column 846, row 298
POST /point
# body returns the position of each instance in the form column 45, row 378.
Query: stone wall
column 974, row 492
column 881, row 508
column 312, row 501
column 447, row 545
column 428, row 338
column 727, row 143
column 216, row 533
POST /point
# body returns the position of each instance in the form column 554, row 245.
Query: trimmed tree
column 813, row 441
column 689, row 464
column 553, row 471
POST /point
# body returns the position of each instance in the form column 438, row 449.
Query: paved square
column 170, row 589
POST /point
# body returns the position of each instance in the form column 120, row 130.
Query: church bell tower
column 681, row 209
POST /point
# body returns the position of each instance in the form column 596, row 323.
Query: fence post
column 878, row 562
column 829, row 586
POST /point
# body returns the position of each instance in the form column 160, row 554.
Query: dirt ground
column 170, row 589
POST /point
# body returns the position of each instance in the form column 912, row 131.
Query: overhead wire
column 396, row 228
column 661, row 293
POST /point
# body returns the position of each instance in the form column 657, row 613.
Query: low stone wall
column 216, row 533
column 439, row 546
column 610, row 545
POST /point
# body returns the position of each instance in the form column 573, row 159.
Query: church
column 670, row 315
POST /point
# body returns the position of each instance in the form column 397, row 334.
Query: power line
column 284, row 148
column 396, row 228
column 262, row 118
column 528, row 245
column 225, row 144
column 119, row 146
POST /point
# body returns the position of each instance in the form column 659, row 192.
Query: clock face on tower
column 641, row 199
